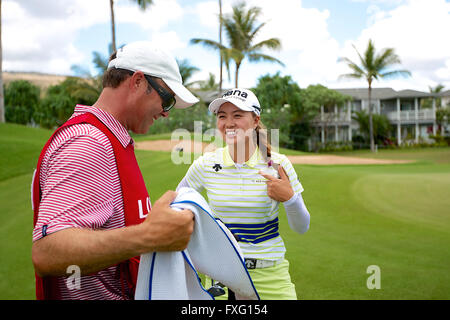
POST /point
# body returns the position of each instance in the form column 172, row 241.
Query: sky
column 51, row 36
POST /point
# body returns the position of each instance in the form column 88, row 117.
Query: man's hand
column 166, row 229
column 278, row 189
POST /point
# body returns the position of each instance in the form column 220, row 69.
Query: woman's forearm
column 297, row 213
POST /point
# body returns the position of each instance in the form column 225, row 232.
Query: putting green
column 416, row 198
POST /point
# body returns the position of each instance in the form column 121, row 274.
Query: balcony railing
column 332, row 117
column 410, row 115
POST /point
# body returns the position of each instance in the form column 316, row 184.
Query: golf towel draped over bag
column 212, row 250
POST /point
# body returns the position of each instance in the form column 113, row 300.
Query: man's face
column 147, row 106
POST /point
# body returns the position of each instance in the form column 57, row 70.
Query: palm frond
column 255, row 31
column 100, row 62
column 211, row 44
column 272, row 43
column 254, row 57
column 395, row 73
column 186, row 69
column 361, row 59
column 386, row 58
column 351, row 76
column 369, row 56
column 144, row 4
column 358, row 72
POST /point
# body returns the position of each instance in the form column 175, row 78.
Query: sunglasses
column 168, row 99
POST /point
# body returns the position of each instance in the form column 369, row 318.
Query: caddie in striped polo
column 245, row 183
column 90, row 201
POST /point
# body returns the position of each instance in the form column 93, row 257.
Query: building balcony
column 412, row 115
column 331, row 117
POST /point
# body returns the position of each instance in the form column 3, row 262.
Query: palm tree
column 2, row 100
column 241, row 29
column 186, row 71
column 436, row 90
column 220, row 41
column 209, row 84
column 374, row 66
column 143, row 5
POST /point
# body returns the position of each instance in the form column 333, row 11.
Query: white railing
column 410, row 115
column 332, row 117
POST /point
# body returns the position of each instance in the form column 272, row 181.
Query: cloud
column 415, row 30
column 308, row 50
column 38, row 35
column 159, row 15
column 207, row 12
column 169, row 41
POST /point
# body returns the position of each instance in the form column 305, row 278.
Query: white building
column 403, row 108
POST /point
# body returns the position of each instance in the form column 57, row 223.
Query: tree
column 442, row 113
column 186, row 71
column 214, row 45
column 59, row 101
column 209, row 84
column 278, row 97
column 241, row 29
column 372, row 67
column 2, row 100
column 313, row 98
column 381, row 126
column 143, row 5
column 21, row 99
column 220, row 41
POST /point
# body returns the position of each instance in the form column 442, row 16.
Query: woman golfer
column 245, row 182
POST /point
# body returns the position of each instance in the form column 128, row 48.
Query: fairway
column 416, row 198
column 393, row 216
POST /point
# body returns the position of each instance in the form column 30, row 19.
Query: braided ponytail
column 262, row 141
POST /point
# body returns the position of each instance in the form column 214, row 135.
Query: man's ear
column 136, row 80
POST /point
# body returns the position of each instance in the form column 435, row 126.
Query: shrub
column 21, row 99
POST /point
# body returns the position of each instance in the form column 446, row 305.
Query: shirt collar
column 252, row 162
column 109, row 121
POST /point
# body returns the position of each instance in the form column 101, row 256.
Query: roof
column 363, row 93
column 207, row 96
column 383, row 93
column 444, row 93
column 356, row 93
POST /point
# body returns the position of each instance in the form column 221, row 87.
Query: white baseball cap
column 242, row 98
column 144, row 56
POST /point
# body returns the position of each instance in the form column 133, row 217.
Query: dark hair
column 262, row 141
column 115, row 76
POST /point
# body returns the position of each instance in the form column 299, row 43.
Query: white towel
column 212, row 250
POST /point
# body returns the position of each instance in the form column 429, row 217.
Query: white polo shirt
column 237, row 195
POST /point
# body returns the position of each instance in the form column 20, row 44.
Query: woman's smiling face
column 235, row 124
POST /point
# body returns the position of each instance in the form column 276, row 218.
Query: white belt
column 259, row 264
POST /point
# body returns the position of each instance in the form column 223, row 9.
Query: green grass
column 19, row 149
column 392, row 216
column 395, row 217
column 433, row 155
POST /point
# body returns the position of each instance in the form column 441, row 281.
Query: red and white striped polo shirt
column 81, row 188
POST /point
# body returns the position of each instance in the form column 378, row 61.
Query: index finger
column 282, row 173
column 167, row 198
column 187, row 213
column 267, row 176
